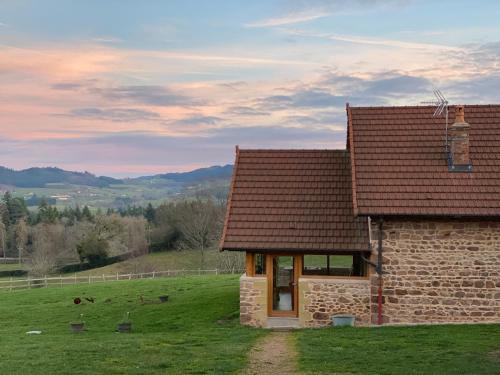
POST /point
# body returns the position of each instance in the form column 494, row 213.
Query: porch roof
column 292, row 200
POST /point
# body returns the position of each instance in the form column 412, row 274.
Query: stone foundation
column 253, row 301
column 439, row 271
column 319, row 299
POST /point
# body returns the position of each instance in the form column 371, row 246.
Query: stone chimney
column 459, row 157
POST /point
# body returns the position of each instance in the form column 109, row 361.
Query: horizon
column 118, row 178
column 124, row 89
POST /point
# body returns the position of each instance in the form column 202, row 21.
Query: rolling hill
column 67, row 188
column 40, row 177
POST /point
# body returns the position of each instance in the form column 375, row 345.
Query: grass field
column 445, row 349
column 11, row 266
column 196, row 332
column 168, row 260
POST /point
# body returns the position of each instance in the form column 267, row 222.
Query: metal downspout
column 379, row 271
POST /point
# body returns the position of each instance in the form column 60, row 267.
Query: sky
column 129, row 88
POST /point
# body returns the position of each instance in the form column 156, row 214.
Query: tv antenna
column 441, row 104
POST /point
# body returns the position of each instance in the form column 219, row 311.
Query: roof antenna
column 441, row 106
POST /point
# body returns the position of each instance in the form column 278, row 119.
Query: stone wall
column 439, row 271
column 319, row 299
column 253, row 301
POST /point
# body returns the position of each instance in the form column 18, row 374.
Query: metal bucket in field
column 343, row 320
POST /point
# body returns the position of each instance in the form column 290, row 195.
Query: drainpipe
column 379, row 271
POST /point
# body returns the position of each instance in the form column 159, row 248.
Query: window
column 260, row 264
column 334, row 265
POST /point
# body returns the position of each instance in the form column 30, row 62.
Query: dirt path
column 274, row 354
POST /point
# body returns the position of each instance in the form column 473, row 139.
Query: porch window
column 260, row 264
column 334, row 265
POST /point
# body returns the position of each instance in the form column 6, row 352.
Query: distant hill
column 197, row 175
column 39, row 177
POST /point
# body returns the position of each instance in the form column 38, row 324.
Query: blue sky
column 126, row 88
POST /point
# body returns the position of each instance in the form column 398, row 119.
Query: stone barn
column 401, row 227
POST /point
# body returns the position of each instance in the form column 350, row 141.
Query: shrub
column 93, row 249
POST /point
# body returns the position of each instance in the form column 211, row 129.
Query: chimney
column 459, row 158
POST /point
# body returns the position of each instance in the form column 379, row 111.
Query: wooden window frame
column 367, row 270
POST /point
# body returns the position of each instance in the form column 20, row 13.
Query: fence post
column 103, row 277
column 153, row 274
column 11, row 283
column 75, row 278
column 216, row 271
column 29, row 282
column 46, row 285
column 60, row 280
column 117, row 276
column 89, row 279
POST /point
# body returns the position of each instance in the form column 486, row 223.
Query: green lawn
column 167, row 260
column 444, row 349
column 11, row 266
column 196, row 332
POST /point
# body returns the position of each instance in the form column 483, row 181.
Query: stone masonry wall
column 439, row 271
column 319, row 299
column 253, row 301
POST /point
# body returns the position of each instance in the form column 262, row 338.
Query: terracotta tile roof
column 296, row 200
column 400, row 164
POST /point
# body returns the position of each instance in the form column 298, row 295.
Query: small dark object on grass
column 107, row 300
column 77, row 327
column 77, row 301
column 90, row 299
column 125, row 326
column 163, row 298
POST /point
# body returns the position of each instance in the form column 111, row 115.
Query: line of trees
column 49, row 237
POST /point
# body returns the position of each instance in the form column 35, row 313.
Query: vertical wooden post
column 46, row 285
column 11, row 283
column 249, row 264
column 61, row 280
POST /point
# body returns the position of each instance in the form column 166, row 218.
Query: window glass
column 315, row 265
column 260, row 264
column 334, row 265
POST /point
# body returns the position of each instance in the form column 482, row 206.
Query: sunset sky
column 127, row 88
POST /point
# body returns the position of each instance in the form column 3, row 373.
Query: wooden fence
column 59, row 281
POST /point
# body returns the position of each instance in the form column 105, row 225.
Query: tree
column 86, row 214
column 149, row 213
column 16, row 208
column 197, row 221
column 21, row 237
column 48, row 242
column 47, row 213
column 3, row 238
column 93, row 249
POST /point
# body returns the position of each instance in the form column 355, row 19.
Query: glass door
column 283, row 286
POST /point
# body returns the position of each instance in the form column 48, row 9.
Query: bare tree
column 21, row 237
column 198, row 222
column 48, row 239
column 231, row 260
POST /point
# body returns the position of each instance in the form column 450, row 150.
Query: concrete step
column 282, row 324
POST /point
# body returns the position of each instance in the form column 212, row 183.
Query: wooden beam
column 250, row 264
